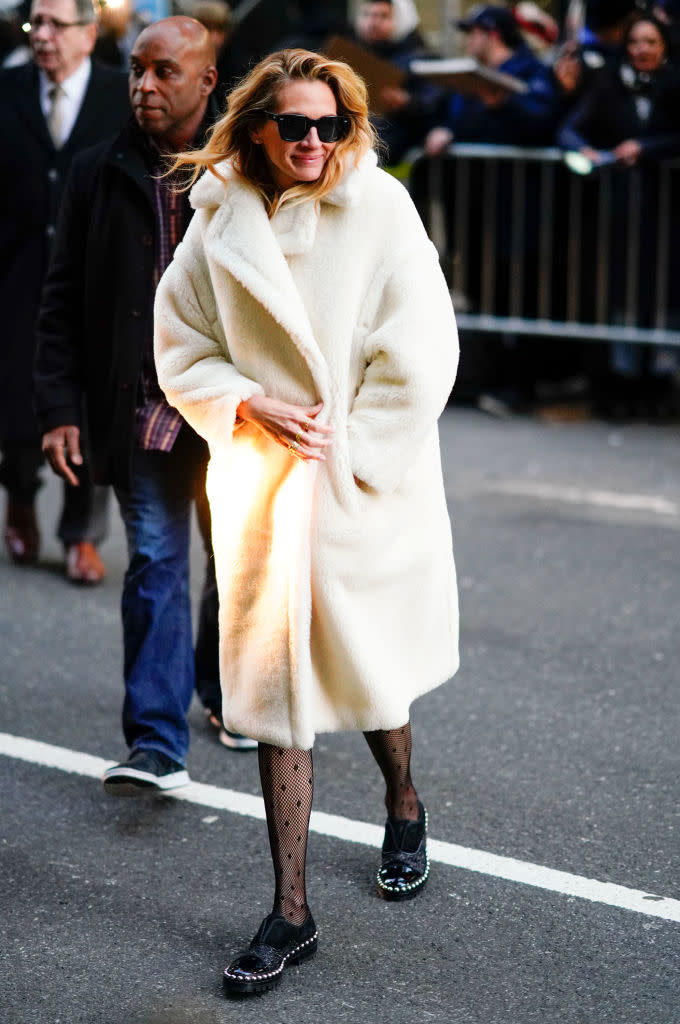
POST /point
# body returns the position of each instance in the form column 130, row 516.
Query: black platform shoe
column 405, row 864
column 277, row 944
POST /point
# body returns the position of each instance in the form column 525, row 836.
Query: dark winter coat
column 97, row 308
column 32, row 176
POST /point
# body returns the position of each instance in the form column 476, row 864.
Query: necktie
column 56, row 115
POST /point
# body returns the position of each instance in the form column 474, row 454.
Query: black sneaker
column 148, row 770
column 236, row 740
column 232, row 740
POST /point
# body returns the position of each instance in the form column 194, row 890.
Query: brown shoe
column 83, row 564
column 22, row 536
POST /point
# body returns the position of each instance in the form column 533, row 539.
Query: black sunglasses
column 295, row 127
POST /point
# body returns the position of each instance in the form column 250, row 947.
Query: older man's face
column 58, row 43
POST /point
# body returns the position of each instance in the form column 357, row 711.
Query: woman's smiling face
column 291, row 163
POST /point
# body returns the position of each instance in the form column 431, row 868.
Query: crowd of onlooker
column 607, row 83
column 598, row 79
column 603, row 85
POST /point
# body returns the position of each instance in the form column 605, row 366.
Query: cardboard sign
column 376, row 72
column 466, row 75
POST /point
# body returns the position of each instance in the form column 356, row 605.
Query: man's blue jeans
column 157, row 635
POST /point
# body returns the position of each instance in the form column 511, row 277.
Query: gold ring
column 298, row 438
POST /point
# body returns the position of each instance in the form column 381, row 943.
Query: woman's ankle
column 293, row 911
column 403, row 805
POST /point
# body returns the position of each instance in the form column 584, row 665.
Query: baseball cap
column 492, row 19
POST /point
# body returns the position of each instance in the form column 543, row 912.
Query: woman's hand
column 594, row 155
column 628, row 152
column 293, row 426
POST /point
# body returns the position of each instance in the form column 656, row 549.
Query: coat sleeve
column 576, row 131
column 191, row 352
column 589, row 121
column 660, row 147
column 411, row 357
column 531, row 117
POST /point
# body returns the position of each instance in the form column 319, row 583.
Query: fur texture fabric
column 338, row 601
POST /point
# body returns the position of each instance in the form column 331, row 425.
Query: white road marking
column 581, row 496
column 507, row 868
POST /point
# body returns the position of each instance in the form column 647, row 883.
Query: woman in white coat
column 305, row 330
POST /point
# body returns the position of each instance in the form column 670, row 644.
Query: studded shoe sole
column 239, row 981
column 409, row 893
column 411, row 889
column 264, row 982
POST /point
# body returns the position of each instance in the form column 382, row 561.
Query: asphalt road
column 557, row 744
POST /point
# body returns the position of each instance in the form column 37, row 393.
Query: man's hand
column 492, row 95
column 594, row 155
column 393, row 98
column 437, row 141
column 61, row 446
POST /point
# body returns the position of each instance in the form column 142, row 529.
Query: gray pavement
column 557, row 744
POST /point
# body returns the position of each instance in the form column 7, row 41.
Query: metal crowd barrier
column 529, row 247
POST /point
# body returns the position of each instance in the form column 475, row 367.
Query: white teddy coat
column 338, row 602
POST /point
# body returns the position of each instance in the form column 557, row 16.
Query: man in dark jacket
column 496, row 116
column 50, row 109
column 120, row 224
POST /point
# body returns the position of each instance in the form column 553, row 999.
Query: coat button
column 53, row 174
column 50, row 230
column 125, row 386
column 146, row 240
column 136, row 313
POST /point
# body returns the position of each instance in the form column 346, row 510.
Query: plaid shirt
column 157, row 424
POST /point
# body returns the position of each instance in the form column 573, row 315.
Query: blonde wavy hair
column 230, row 137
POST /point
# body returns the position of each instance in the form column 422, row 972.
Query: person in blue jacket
column 496, row 116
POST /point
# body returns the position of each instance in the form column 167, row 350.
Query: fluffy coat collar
column 293, row 226
column 239, row 237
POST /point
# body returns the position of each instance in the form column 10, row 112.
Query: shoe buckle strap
column 272, row 959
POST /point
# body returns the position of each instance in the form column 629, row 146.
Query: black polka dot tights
column 287, row 778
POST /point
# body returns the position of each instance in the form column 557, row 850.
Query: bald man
column 121, row 222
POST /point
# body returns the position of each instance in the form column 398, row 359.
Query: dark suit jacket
column 32, row 175
column 97, row 308
column 607, row 115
